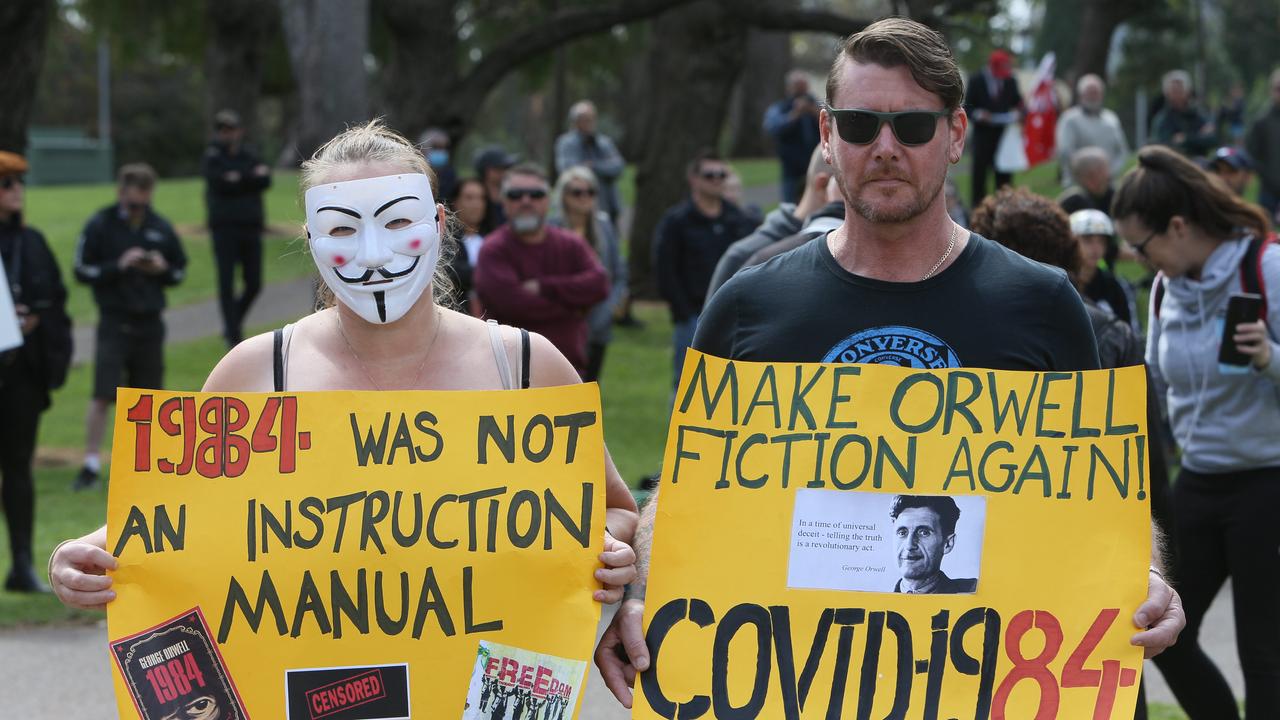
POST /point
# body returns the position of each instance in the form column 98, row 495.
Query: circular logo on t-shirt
column 894, row 345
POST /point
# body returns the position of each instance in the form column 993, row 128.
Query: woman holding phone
column 1221, row 381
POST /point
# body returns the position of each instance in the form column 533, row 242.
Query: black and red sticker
column 174, row 671
column 371, row 692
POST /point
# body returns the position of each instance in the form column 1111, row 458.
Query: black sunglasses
column 515, row 194
column 8, row 181
column 581, row 192
column 911, row 127
column 714, row 174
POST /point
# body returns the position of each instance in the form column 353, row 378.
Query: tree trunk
column 695, row 55
column 422, row 68
column 24, row 29
column 327, row 44
column 762, row 80
column 233, row 57
column 698, row 52
column 1098, row 22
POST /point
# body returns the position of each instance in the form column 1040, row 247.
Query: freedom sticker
column 509, row 679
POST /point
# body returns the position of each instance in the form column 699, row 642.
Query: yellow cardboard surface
column 483, row 512
column 776, row 490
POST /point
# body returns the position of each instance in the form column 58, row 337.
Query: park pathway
column 52, row 673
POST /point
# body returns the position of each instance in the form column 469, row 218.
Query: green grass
column 60, row 212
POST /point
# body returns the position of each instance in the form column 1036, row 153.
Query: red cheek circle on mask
column 339, row 260
column 415, row 243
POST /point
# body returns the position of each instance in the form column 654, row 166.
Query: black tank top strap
column 277, row 359
column 524, row 359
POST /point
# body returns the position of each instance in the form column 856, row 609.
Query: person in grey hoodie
column 1196, row 232
column 783, row 222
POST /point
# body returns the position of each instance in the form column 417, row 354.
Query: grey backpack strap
column 500, row 355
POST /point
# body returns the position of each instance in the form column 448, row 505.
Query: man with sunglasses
column 27, row 373
column 898, row 283
column 536, row 276
column 688, row 242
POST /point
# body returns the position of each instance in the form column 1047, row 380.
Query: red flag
column 1042, row 115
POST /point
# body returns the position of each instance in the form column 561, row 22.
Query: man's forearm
column 643, row 546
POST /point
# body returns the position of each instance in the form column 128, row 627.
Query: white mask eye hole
column 342, row 231
column 398, row 223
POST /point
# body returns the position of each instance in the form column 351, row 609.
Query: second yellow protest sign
column 865, row 541
column 351, row 555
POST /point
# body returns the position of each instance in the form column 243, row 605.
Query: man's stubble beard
column 869, row 212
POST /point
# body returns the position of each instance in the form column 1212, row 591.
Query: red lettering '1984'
column 217, row 437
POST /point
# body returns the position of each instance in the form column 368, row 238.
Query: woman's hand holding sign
column 619, row 569
column 77, row 572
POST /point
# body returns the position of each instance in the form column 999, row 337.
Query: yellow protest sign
column 864, row 541
column 346, row 555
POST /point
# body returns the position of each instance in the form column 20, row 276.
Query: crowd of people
column 525, row 276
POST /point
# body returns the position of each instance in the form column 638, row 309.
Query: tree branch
column 564, row 25
column 772, row 17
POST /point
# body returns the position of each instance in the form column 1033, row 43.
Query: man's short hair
column 136, row 175
column 703, row 155
column 946, row 509
column 1089, row 157
column 1175, row 76
column 526, row 169
column 896, row 42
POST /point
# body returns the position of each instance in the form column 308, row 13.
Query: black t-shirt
column 991, row 309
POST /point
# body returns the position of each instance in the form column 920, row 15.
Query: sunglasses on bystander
column 580, row 192
column 8, row 181
column 516, row 194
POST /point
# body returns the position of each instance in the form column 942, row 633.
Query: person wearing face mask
column 29, row 372
column 377, row 236
column 234, row 182
column 129, row 255
column 1089, row 124
column 435, row 144
column 536, row 276
column 1208, row 245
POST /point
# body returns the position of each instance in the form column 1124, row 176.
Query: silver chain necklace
column 421, row 366
column 950, row 246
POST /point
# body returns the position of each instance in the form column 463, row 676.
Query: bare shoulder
column 245, row 368
column 547, row 365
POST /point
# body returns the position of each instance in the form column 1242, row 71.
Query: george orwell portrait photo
column 924, row 534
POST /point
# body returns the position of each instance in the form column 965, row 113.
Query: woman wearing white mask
column 376, row 233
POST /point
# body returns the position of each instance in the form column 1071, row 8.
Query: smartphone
column 1241, row 308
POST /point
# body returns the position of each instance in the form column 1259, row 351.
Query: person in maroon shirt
column 537, row 277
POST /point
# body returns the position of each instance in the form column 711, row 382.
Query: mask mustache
column 386, row 274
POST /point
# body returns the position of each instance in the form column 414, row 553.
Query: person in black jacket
column 129, row 255
column 30, row 371
column 687, row 244
column 992, row 101
column 234, row 182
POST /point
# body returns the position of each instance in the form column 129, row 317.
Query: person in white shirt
column 1089, row 124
